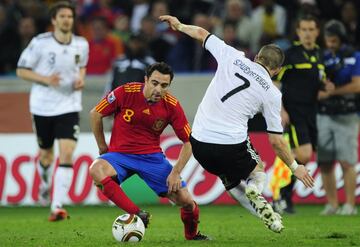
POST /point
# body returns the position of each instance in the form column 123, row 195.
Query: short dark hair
column 335, row 28
column 307, row 17
column 54, row 9
column 271, row 56
column 162, row 67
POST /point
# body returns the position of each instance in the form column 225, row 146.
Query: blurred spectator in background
column 257, row 22
column 338, row 121
column 350, row 18
column 11, row 14
column 158, row 44
column 189, row 55
column 26, row 31
column 268, row 23
column 122, row 28
column 131, row 66
column 104, row 48
column 38, row 10
column 8, row 54
column 158, row 8
column 139, row 11
column 230, row 38
column 219, row 10
column 229, row 34
column 102, row 8
column 235, row 12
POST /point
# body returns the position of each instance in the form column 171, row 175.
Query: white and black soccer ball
column 128, row 228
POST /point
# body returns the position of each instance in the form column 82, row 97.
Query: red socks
column 190, row 220
column 113, row 191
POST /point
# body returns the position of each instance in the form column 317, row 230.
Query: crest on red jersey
column 158, row 124
column 111, row 97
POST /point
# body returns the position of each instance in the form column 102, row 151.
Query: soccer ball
column 128, row 228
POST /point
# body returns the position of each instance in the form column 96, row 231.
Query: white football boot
column 272, row 220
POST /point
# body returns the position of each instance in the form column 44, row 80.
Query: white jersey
column 46, row 56
column 240, row 89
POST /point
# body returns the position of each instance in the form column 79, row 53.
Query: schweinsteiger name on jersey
column 242, row 88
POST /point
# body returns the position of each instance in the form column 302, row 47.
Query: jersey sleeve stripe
column 132, row 88
column 187, row 130
column 274, row 132
column 101, row 105
column 171, row 100
column 23, row 67
column 102, row 108
column 103, row 101
column 206, row 39
column 132, row 91
column 303, row 66
column 169, row 95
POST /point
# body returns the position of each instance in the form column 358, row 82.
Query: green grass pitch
column 227, row 225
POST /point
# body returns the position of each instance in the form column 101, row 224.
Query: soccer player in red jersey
column 141, row 113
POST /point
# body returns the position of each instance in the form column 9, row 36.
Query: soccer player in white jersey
column 239, row 89
column 55, row 62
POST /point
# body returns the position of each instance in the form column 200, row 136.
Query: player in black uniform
column 301, row 77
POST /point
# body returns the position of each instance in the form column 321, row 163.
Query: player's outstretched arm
column 282, row 150
column 195, row 32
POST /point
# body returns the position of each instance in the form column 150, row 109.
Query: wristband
column 293, row 166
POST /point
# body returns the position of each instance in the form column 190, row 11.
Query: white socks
column 62, row 182
column 238, row 193
column 257, row 180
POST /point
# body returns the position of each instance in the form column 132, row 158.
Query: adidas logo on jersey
column 146, row 111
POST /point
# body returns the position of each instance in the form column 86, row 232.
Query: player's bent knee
column 96, row 170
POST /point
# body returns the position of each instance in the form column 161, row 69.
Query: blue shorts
column 152, row 168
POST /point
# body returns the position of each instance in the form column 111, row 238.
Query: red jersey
column 139, row 124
